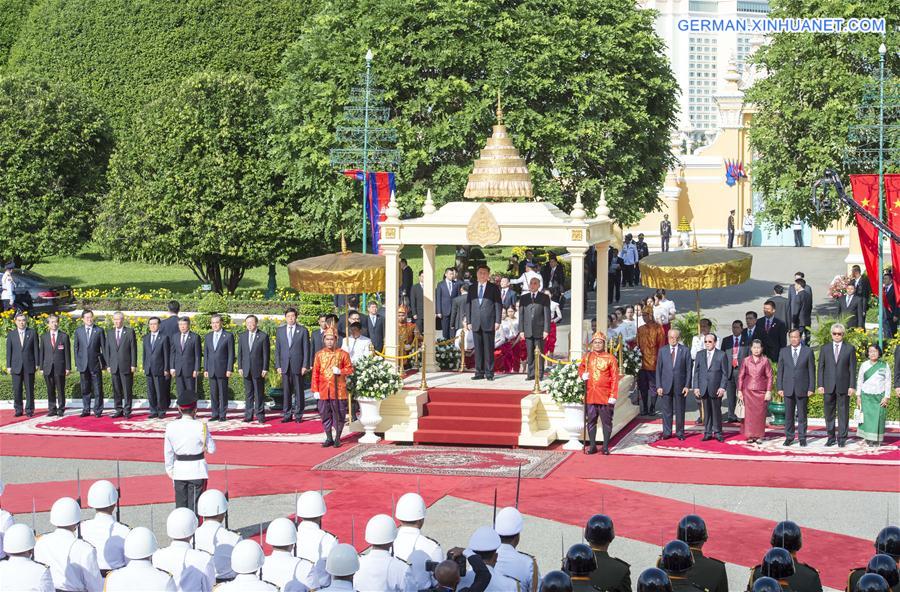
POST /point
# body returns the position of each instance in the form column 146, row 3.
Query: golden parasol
column 338, row 273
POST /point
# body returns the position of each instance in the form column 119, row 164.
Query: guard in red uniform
column 600, row 371
column 329, row 386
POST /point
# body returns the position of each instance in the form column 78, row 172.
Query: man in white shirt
column 139, row 575
column 313, row 543
column 697, row 342
column 72, row 561
column 485, row 542
column 748, row 228
column 410, row 544
column 630, row 258
column 212, row 536
column 525, row 278
column 510, row 561
column 247, row 560
column 341, row 564
column 187, row 441
column 356, row 344
column 103, row 531
column 192, row 569
column 281, row 565
column 20, row 572
column 379, row 569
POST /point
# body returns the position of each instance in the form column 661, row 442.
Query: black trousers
column 292, row 396
column 839, row 402
column 445, row 326
column 187, row 493
column 731, row 392
column 23, row 382
column 712, row 410
column 646, row 380
column 484, row 352
column 56, row 392
column 672, row 403
column 218, row 396
column 123, row 387
column 798, row 238
column 628, row 275
column 165, row 394
column 530, row 344
column 665, row 243
column 603, row 413
column 614, row 288
column 254, row 401
column 731, row 239
column 157, row 393
column 748, row 238
column 92, row 387
column 795, row 407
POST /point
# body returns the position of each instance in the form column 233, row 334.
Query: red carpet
column 471, row 416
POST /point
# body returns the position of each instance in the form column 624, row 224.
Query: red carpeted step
column 465, row 437
column 474, row 395
column 488, row 417
column 451, row 424
column 474, row 410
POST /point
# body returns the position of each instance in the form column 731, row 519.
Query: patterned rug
column 434, row 460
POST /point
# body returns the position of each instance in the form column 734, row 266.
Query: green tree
column 810, row 96
column 588, row 95
column 193, row 184
column 54, row 150
column 12, row 16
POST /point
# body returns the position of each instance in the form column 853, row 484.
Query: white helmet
column 181, row 523
column 65, row 512
column 508, row 522
column 246, row 557
column 102, row 494
column 342, row 561
column 485, row 539
column 410, row 507
column 281, row 533
column 311, row 504
column 140, row 543
column 18, row 539
column 212, row 502
column 381, row 530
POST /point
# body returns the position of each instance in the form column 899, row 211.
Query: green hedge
column 12, row 17
column 309, row 312
column 73, row 388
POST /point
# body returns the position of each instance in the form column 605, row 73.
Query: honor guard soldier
column 556, row 581
column 872, row 583
column 72, row 561
column 139, row 575
column 187, row 441
column 778, row 564
column 612, row 573
column 341, row 565
column 886, row 567
column 510, row 561
column 379, row 569
column 6, row 520
column 329, row 384
column 411, row 514
column 192, row 569
column 484, row 542
column 600, row 371
column 214, row 538
column 887, row 542
column 788, row 536
column 653, row 580
column 579, row 563
column 281, row 565
column 708, row 573
column 766, row 584
column 677, row 561
column 313, row 543
column 20, row 572
column 246, row 560
column 102, row 531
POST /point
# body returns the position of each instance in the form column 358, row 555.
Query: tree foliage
column 54, row 150
column 12, row 16
column 193, row 185
column 587, row 92
column 810, row 97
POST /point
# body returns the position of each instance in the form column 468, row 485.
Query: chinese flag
column 892, row 205
column 865, row 192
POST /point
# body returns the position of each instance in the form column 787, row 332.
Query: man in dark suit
column 850, row 307
column 508, row 296
column 406, row 280
column 673, row 383
column 22, row 355
column 709, row 381
column 373, row 326
column 837, row 375
column 528, row 259
column 56, row 363
column 155, row 359
column 458, row 309
column 534, row 323
column 801, row 308
column 253, row 365
column 444, row 293
column 218, row 364
column 483, row 312
column 862, row 285
column 792, row 291
column 891, row 310
column 316, row 336
column 795, row 383
column 417, row 303
column 773, row 332
column 736, row 348
column 292, row 361
column 185, row 356
column 553, row 274
column 782, row 309
column 168, row 328
column 121, row 361
column 89, row 347
column 753, row 330
column 731, row 229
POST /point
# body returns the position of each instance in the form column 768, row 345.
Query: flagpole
column 881, row 51
column 366, row 158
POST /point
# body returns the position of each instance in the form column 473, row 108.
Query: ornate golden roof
column 499, row 172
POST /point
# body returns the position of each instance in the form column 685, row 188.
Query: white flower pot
column 573, row 422
column 369, row 417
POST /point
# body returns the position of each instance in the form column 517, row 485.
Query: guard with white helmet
column 511, row 561
column 281, row 565
column 214, row 538
column 139, row 575
column 246, row 560
column 341, row 564
column 187, row 443
column 103, row 531
column 20, row 572
column 6, row 520
column 484, row 542
column 378, row 568
column 313, row 543
column 72, row 561
column 192, row 569
column 411, row 514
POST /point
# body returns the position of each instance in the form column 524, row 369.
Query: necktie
column 768, row 324
column 848, row 301
column 734, row 353
column 290, row 333
column 533, row 297
column 837, row 351
column 89, row 334
column 480, row 292
column 183, row 339
column 708, row 359
column 673, row 356
column 118, row 336
column 22, row 338
column 796, row 353
column 250, row 339
column 153, row 341
column 215, row 340
column 53, row 341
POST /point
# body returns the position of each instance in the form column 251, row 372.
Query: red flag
column 865, row 192
column 892, row 204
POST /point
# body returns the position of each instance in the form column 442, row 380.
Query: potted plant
column 776, row 405
column 447, row 356
column 376, row 379
column 567, row 389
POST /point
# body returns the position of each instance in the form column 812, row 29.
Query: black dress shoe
column 247, row 420
column 706, row 437
column 327, row 443
column 19, row 414
column 118, row 414
column 299, row 420
column 491, row 377
column 830, row 442
column 29, row 413
column 591, row 450
column 286, row 420
column 720, row 438
column 788, row 441
column 161, row 415
column 842, row 443
column 665, row 436
column 128, row 416
column 98, row 414
column 262, row 421
column 85, row 413
column 223, row 419
column 606, row 451
column 680, row 438
column 337, row 443
column 478, row 377
column 802, row 442
column 698, row 421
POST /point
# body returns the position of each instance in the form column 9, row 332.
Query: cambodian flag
column 379, row 187
column 730, row 173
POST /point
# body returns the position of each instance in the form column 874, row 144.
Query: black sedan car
column 36, row 294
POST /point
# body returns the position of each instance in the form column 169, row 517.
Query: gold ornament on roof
column 483, row 229
column 499, row 172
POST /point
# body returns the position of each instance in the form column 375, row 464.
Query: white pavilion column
column 391, row 297
column 576, row 329
column 428, row 275
column 602, row 285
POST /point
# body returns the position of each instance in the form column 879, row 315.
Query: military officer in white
column 411, row 514
column 72, row 561
column 187, row 442
column 214, row 538
column 6, row 520
column 341, row 564
column 511, row 562
column 485, row 541
column 379, row 570
column 281, row 565
column 102, row 531
column 192, row 569
column 313, row 543
column 139, row 575
column 20, row 572
column 246, row 560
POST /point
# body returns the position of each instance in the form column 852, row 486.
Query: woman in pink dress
column 754, row 387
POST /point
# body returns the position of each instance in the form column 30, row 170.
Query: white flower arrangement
column 565, row 385
column 631, row 362
column 376, row 378
column 447, row 356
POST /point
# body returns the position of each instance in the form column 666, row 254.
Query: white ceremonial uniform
column 411, row 539
column 185, row 435
column 72, row 561
column 192, row 569
column 108, row 538
column 500, row 582
column 357, row 347
column 520, row 566
column 280, row 567
column 139, row 576
column 313, row 543
column 218, row 541
column 246, row 583
column 6, row 520
column 24, row 575
column 338, row 586
column 379, row 571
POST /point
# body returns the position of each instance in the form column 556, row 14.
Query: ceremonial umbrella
column 338, row 273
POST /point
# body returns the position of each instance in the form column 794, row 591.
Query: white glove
column 317, row 396
column 612, row 400
column 336, row 370
column 585, row 376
